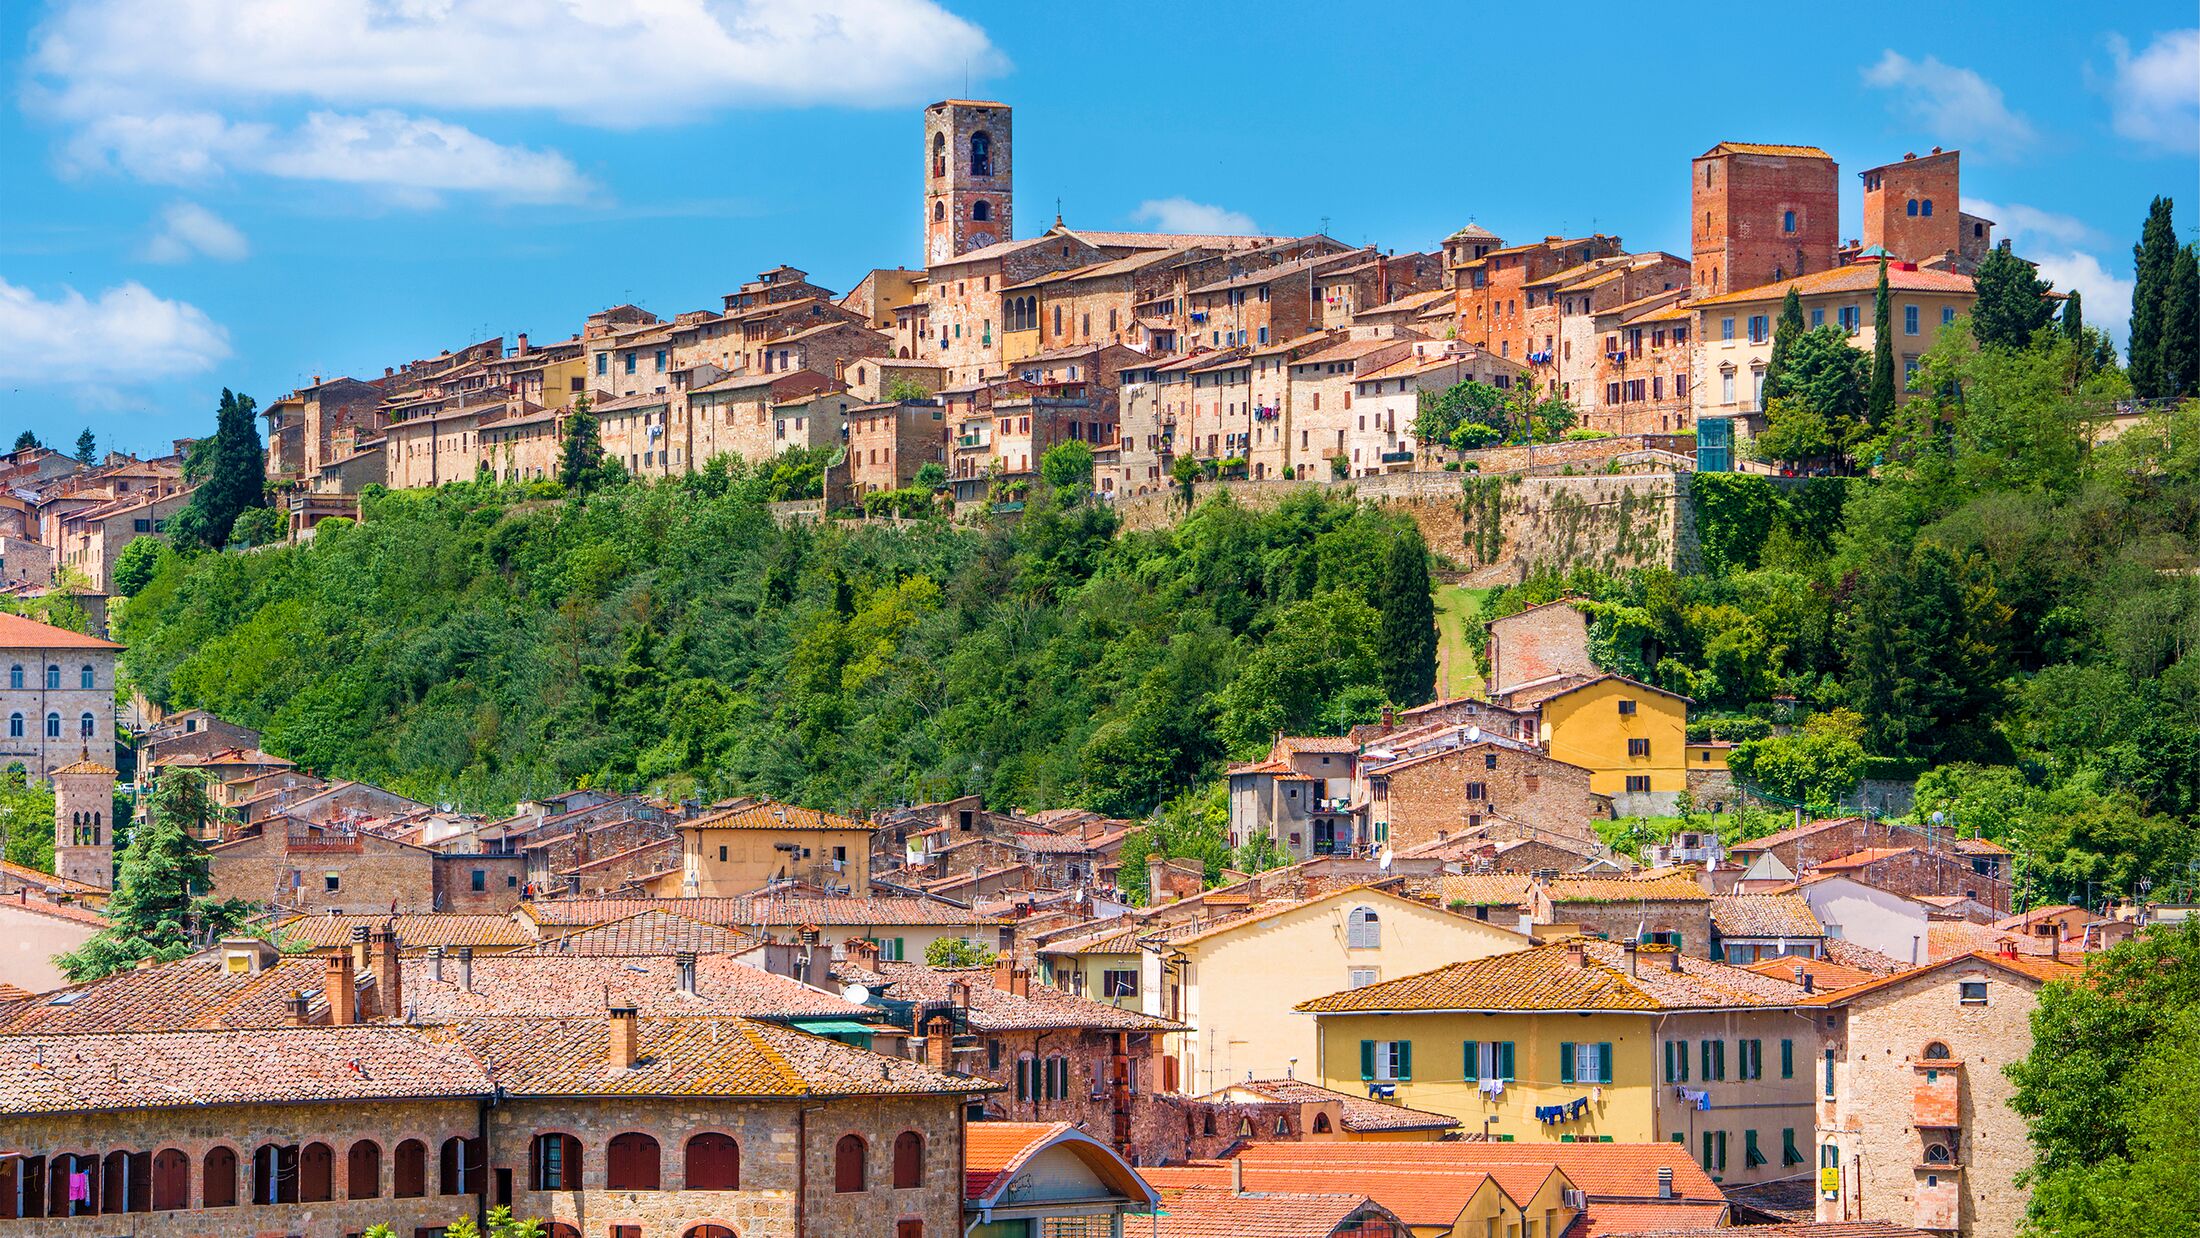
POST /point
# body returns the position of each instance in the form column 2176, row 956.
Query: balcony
column 1397, row 457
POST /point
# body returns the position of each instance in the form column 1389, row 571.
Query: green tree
column 2181, row 326
column 159, row 909
column 1067, row 466
column 580, row 455
column 236, row 479
column 905, row 391
column 931, row 475
column 1927, row 650
column 1815, row 766
column 27, row 441
column 87, row 448
column 959, row 952
column 2073, row 317
column 2154, row 260
column 2012, row 301
column 2149, row 1189
column 1879, row 395
column 1796, row 434
column 1442, row 413
column 1186, row 472
column 141, row 557
column 1784, row 334
column 26, row 817
column 257, row 527
column 1293, row 680
column 1408, row 636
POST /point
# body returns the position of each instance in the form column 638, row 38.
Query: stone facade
column 1913, row 208
column 321, row 870
column 1419, row 799
column 57, row 698
column 969, row 177
column 1552, row 639
column 888, row 443
column 1762, row 213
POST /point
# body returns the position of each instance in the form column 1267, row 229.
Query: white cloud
column 1185, row 215
column 2060, row 244
column 2155, row 95
column 188, row 230
column 1956, row 105
column 127, row 334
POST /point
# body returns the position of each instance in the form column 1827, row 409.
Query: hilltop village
column 650, row 1014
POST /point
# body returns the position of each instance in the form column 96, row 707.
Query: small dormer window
column 1971, row 992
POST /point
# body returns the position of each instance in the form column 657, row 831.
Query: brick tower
column 83, row 823
column 1914, row 208
column 968, row 178
column 1762, row 214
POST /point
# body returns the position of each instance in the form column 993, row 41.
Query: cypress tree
column 1784, row 334
column 237, row 479
column 1407, row 639
column 87, row 448
column 2154, row 259
column 2181, row 326
column 1879, row 395
column 2012, row 302
column 2073, row 318
column 582, row 462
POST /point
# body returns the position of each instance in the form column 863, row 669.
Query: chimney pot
column 340, row 990
column 624, row 1047
column 389, row 975
column 435, row 963
column 1908, row 155
column 685, row 962
column 466, row 968
column 1665, row 1182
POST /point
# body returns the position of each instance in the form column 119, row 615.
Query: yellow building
column 1586, row 1041
column 1236, row 976
column 1631, row 737
column 749, row 843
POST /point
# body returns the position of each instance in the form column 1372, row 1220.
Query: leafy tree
column 257, row 527
column 1293, row 681
column 159, row 909
column 1784, row 334
column 1879, row 395
column 580, row 455
column 1796, row 433
column 87, row 448
column 2073, row 317
column 931, row 475
column 1068, row 466
column 26, row 817
column 1408, row 635
column 1927, row 649
column 2149, row 1190
column 2181, row 326
column 141, row 557
column 27, row 441
column 1185, row 471
column 2012, row 301
column 1474, row 436
column 1816, row 765
column 2154, row 260
column 959, row 952
column 1193, row 826
column 1443, row 413
column 1822, row 405
column 236, row 478
column 906, row 390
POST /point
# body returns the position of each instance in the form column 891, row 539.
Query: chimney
column 359, row 961
column 1676, row 960
column 1576, row 956
column 1004, row 974
column 939, row 1042
column 1390, row 719
column 1808, row 981
column 523, row 343
column 339, row 989
column 958, row 993
column 466, row 968
column 435, row 963
column 297, row 1005
column 859, row 952
column 625, row 1046
column 685, row 962
column 1019, row 981
column 2054, row 944
column 1632, row 951
column 1237, row 1175
column 389, row 975
column 1665, row 1182
column 317, row 380
column 2006, row 947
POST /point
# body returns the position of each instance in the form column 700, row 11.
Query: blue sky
column 201, row 193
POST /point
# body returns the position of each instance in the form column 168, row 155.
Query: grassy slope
column 1459, row 629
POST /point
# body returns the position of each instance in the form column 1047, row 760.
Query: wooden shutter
column 1367, row 1059
column 1670, row 1076
column 1474, row 1060
column 1787, row 1059
column 1405, row 1060
column 1604, row 1062
column 1566, row 1061
column 1505, row 1059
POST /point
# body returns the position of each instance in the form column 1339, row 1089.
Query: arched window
column 459, row 1166
column 981, row 210
column 1321, row 1123
column 1936, row 1051
column 632, row 1163
column 171, row 1180
column 981, row 153
column 66, row 1196
column 53, row 675
column 127, row 1181
column 53, row 725
column 704, row 1231
column 1207, row 1122
column 86, row 679
column 86, row 724
column 1363, row 929
column 713, row 1163
column 15, row 675
column 1936, row 1154
column 555, row 1163
column 939, row 154
column 15, row 726
column 848, row 1167
column 939, row 211
column 1928, row 211
column 218, row 1178
column 409, row 1170
column 1787, row 221
column 275, row 1173
column 316, row 1174
column 363, row 1170
column 908, row 1160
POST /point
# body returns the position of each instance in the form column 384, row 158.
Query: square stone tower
column 1762, row 213
column 968, row 178
column 83, row 823
column 1914, row 208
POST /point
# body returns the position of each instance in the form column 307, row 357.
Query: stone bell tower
column 83, row 823
column 968, row 178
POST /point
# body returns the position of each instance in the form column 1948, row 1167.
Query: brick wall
column 1533, row 644
column 372, row 873
column 1430, row 798
column 1893, row 191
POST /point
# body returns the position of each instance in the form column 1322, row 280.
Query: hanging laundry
column 80, row 1188
column 1574, row 1108
column 1492, row 1088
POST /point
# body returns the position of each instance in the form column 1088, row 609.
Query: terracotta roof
column 1422, row 1197
column 170, row 1070
column 2025, row 919
column 1671, row 888
column 191, row 993
column 1360, row 1113
column 85, row 765
column 1785, row 1229
column 44, row 880
column 1764, row 915
column 1862, row 958
column 510, row 985
column 1486, row 889
column 2032, row 967
column 724, row 1057
column 1857, row 277
column 1825, row 975
column 1318, row 743
column 993, row 1010
column 1602, row 1219
column 993, row 1152
column 1546, row 978
column 1796, row 833
column 75, row 913
column 1945, row 939
column 771, row 815
column 1980, row 846
column 20, row 632
column 1765, row 148
column 1220, row 1212
column 1610, row 1170
column 414, row 932
column 765, row 910
column 1861, row 859
column 651, row 932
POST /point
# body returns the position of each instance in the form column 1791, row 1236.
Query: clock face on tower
column 979, row 240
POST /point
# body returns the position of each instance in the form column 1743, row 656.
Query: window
column 1676, row 1061
column 1971, row 992
column 1119, row 982
column 1829, row 1074
column 53, row 726
column 1787, row 221
column 908, row 1160
column 1726, row 328
column 480, row 880
column 275, row 1174
column 939, row 213
column 1638, row 782
column 1850, row 317
column 1638, row 747
column 632, row 1163
column 1750, row 1055
column 15, row 676
column 1760, row 328
column 1927, row 212
column 713, row 1163
column 1361, row 977
column 85, row 678
column 555, row 1163
column 15, row 726
column 848, row 1167
column 1726, row 387
column 459, row 1167
column 1386, row 1060
column 409, row 1170
column 86, row 725
column 1626, row 707
column 53, row 677
column 1911, row 209
column 363, row 1170
column 981, row 157
column 1909, row 320
column 1585, row 1062
column 1787, row 1059
column 1363, row 929
column 171, row 1182
column 1489, row 1059
column 1818, row 316
column 1790, row 1155
column 631, row 360
column 1714, row 1060
column 981, row 211
column 1714, row 1151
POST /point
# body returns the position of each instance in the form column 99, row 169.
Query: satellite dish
column 1474, row 735
column 1383, row 861
column 1939, row 817
column 855, row 993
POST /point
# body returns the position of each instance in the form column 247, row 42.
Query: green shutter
column 1680, row 1138
column 1682, row 1056
column 1676, row 942
column 1707, row 1165
column 1566, row 1061
column 1707, row 1076
column 1751, row 1157
column 1787, row 1059
column 1405, row 1060
column 1604, row 1062
column 1565, row 1138
column 1719, row 1057
column 1789, row 1155
column 900, row 952
column 1505, row 1060
column 1473, row 1056
column 1722, row 1151
column 1669, row 1076
column 1367, row 1059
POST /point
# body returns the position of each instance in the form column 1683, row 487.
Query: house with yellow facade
column 1630, row 736
column 1236, row 972
column 740, row 847
column 1589, row 1041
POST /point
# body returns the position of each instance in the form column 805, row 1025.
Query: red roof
column 19, row 632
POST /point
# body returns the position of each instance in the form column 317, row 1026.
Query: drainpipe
column 481, row 1196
